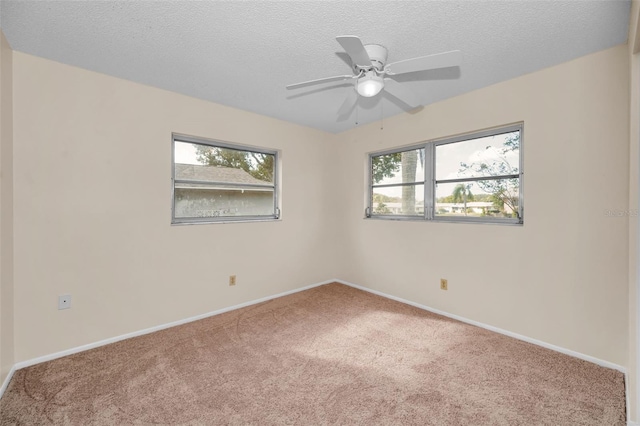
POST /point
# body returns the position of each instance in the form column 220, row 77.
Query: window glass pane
column 496, row 155
column 399, row 167
column 219, row 201
column 483, row 198
column 399, row 200
column 479, row 177
column 215, row 164
column 213, row 183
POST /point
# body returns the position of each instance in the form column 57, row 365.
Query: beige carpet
column 329, row 355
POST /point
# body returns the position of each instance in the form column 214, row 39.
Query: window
column 398, row 183
column 470, row 178
column 220, row 182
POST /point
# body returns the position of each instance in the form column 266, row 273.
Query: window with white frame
column 471, row 178
column 221, row 182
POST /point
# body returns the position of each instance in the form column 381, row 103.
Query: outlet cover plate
column 444, row 284
column 64, row 301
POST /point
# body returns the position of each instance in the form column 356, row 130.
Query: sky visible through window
column 448, row 159
column 185, row 153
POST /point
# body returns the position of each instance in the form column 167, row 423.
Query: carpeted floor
column 329, row 355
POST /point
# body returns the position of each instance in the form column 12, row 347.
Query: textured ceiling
column 244, row 53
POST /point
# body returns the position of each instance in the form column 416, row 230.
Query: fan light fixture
column 370, row 72
column 370, row 84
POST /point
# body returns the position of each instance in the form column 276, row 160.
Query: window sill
column 445, row 220
column 225, row 221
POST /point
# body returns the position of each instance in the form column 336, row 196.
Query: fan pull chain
column 381, row 114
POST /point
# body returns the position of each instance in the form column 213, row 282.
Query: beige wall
column 86, row 144
column 92, row 166
column 562, row 277
column 634, row 157
column 6, row 209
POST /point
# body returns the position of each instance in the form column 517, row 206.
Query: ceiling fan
column 373, row 74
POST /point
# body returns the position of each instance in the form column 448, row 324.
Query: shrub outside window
column 471, row 178
column 221, row 182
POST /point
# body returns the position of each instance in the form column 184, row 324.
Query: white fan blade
column 402, row 93
column 440, row 60
column 349, row 103
column 320, row 80
column 354, row 47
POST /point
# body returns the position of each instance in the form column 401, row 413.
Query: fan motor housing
column 378, row 55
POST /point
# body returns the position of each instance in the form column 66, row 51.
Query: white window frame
column 430, row 180
column 176, row 137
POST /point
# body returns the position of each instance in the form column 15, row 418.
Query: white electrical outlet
column 64, row 301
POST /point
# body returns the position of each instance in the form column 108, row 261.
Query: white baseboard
column 626, row 398
column 93, row 345
column 7, row 380
column 565, row 351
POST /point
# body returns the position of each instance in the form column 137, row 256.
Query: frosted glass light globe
column 370, row 84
